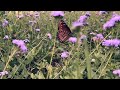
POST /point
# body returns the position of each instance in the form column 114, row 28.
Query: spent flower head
column 6, row 37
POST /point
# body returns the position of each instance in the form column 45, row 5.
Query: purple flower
column 108, row 24
column 3, row 73
column 37, row 30
column 21, row 45
column 100, row 36
column 77, row 24
column 72, row 39
column 23, row 48
column 49, row 36
column 5, row 23
column 112, row 42
column 115, row 19
column 117, row 72
column 64, row 54
column 57, row 13
column 83, row 19
column 6, row 37
column 18, row 42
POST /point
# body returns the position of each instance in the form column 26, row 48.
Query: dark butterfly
column 64, row 32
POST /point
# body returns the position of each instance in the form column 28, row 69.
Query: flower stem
column 88, row 63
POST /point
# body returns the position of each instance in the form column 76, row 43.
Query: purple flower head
column 100, row 36
column 112, row 42
column 57, row 13
column 72, row 39
column 5, row 23
column 115, row 19
column 23, row 48
column 108, row 24
column 18, row 42
column 3, row 73
column 64, row 54
column 83, row 19
column 102, row 12
column 77, row 24
column 49, row 36
column 117, row 72
column 6, row 37
column 21, row 45
column 37, row 30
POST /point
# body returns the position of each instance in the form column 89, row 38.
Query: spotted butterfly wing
column 64, row 31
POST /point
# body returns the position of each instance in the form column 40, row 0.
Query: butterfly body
column 64, row 32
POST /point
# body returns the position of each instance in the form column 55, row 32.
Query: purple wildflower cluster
column 111, row 42
column 64, row 54
column 5, row 23
column 72, row 39
column 98, row 37
column 117, row 72
column 3, row 73
column 82, row 20
column 111, row 23
column 57, row 13
column 21, row 45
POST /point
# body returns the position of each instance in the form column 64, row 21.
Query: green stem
column 88, row 63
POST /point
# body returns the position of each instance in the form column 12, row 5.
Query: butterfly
column 64, row 32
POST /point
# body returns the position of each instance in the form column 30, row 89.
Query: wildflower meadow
column 30, row 46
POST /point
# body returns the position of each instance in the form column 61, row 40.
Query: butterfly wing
column 64, row 31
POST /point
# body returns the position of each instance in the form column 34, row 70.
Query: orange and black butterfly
column 64, row 32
